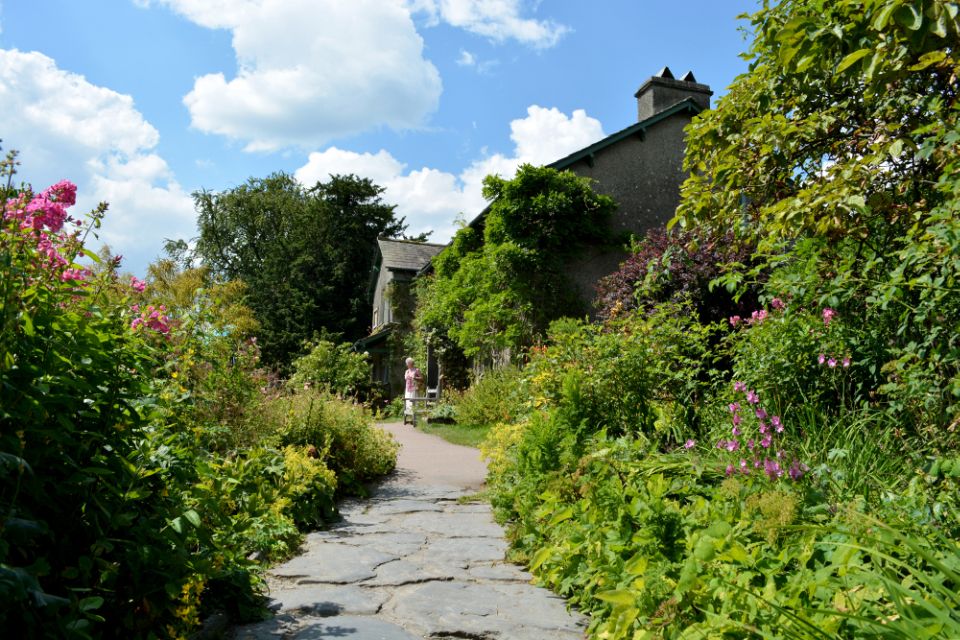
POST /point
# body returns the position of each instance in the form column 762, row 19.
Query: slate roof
column 407, row 255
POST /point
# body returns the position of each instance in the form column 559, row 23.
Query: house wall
column 644, row 177
column 381, row 307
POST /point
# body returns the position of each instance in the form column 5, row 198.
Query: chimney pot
column 662, row 91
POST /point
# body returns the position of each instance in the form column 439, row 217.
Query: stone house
column 396, row 263
column 640, row 167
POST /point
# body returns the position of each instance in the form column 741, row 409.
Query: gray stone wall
column 644, row 177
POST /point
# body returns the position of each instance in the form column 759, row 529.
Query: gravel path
column 410, row 562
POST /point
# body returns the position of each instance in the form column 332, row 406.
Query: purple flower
column 689, row 444
column 744, row 467
column 797, row 470
column 736, row 430
column 734, row 407
column 739, row 386
column 762, row 426
column 750, row 444
column 828, row 315
column 821, row 358
column 777, row 303
column 737, row 419
column 729, row 470
column 766, row 441
column 831, row 362
column 775, row 421
column 752, row 397
column 761, row 413
column 721, row 444
column 846, row 361
column 772, row 469
column 732, row 445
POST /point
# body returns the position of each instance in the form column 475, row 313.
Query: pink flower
column 744, row 466
column 64, row 192
column 734, row 407
column 735, row 320
column 772, row 469
column 821, row 358
column 750, row 444
column 762, row 426
column 775, row 421
column 761, row 413
column 831, row 362
column 757, row 317
column 137, row 284
column 736, row 430
column 689, row 444
column 846, row 362
column 797, row 470
column 766, row 441
column 737, row 419
column 752, row 397
column 739, row 386
column 732, row 445
column 828, row 315
column 729, row 470
column 777, row 303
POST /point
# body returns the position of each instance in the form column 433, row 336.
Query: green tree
column 495, row 293
column 305, row 254
column 838, row 152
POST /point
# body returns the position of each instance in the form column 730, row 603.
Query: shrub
column 675, row 267
column 495, row 396
column 334, row 368
column 342, row 433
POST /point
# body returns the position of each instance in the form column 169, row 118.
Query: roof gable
column 405, row 254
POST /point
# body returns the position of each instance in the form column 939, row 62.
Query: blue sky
column 142, row 102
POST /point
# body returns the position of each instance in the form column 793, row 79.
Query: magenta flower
column 137, row 284
column 777, row 304
column 822, row 358
column 732, row 445
column 740, row 386
column 744, row 467
column 761, row 413
column 752, row 397
column 846, row 362
column 772, row 469
column 737, row 419
column 735, row 320
column 736, row 430
column 762, row 426
column 831, row 362
column 729, row 470
column 734, row 407
column 775, row 421
column 828, row 315
column 766, row 441
column 750, row 444
column 689, row 444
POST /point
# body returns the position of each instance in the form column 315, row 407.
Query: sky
column 145, row 102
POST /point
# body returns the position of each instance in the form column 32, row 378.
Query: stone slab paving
column 411, row 563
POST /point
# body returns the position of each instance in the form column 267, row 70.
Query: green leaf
column 851, row 59
column 880, row 22
column 928, row 59
column 910, row 17
column 177, row 524
column 90, row 604
column 560, row 516
column 193, row 517
column 540, row 557
column 618, row 597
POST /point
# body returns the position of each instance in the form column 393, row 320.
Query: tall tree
column 305, row 254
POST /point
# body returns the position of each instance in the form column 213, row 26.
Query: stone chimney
column 663, row 91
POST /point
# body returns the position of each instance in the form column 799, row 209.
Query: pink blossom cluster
column 831, row 361
column 153, row 318
column 828, row 315
column 48, row 209
column 137, row 285
column 764, row 446
column 758, row 316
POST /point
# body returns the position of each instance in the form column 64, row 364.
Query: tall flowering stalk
column 757, row 439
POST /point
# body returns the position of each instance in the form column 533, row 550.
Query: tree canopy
column 304, row 253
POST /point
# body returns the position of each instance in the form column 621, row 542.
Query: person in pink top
column 412, row 377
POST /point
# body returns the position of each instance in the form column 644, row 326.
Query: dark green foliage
column 495, row 295
column 304, row 254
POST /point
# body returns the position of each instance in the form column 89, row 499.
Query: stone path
column 411, row 562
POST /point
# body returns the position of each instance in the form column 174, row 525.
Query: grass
column 467, row 435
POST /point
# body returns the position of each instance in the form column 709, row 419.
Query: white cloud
column 311, row 70
column 499, row 20
column 466, row 59
column 431, row 199
column 65, row 127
